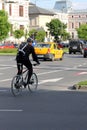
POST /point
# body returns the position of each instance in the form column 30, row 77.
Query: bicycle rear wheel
column 32, row 86
column 16, row 85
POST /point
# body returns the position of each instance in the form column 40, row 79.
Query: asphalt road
column 54, row 106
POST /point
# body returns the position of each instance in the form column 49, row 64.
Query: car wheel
column 52, row 57
column 70, row 52
column 62, row 57
column 44, row 59
column 84, row 56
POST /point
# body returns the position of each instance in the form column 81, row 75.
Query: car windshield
column 74, row 43
column 42, row 45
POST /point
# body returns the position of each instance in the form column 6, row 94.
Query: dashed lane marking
column 81, row 73
column 5, row 80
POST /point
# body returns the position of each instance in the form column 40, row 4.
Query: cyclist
column 22, row 58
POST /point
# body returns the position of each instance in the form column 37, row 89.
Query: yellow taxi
column 48, row 51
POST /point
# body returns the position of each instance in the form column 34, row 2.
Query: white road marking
column 5, row 80
column 49, row 72
column 80, row 65
column 4, row 65
column 5, row 68
column 50, row 80
column 81, row 73
column 10, row 110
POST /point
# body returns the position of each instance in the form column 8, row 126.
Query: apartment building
column 75, row 19
column 18, row 14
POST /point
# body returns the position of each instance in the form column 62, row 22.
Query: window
column 21, row 11
column 72, row 35
column 3, row 7
column 22, row 27
column 10, row 9
column 55, row 46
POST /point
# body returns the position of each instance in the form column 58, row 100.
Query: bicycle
column 17, row 83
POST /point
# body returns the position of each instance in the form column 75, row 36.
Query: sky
column 49, row 4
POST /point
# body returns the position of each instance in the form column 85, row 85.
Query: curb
column 79, row 87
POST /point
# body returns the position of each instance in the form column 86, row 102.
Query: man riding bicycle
column 22, row 58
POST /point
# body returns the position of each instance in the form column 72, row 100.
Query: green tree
column 56, row 28
column 37, row 35
column 4, row 25
column 18, row 33
column 32, row 33
column 66, row 36
column 40, row 35
column 82, row 31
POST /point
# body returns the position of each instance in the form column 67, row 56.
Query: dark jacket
column 25, row 53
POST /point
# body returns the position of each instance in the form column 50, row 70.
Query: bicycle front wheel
column 32, row 86
column 16, row 85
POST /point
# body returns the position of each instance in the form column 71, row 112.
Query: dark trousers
column 26, row 62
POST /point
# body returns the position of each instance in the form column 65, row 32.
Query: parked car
column 48, row 51
column 76, row 46
column 16, row 45
column 2, row 46
column 60, row 45
column 85, row 50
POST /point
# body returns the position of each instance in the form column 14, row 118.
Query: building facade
column 75, row 19
column 39, row 17
column 18, row 14
column 28, row 16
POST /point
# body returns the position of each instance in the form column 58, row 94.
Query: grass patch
column 82, row 83
column 8, row 51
